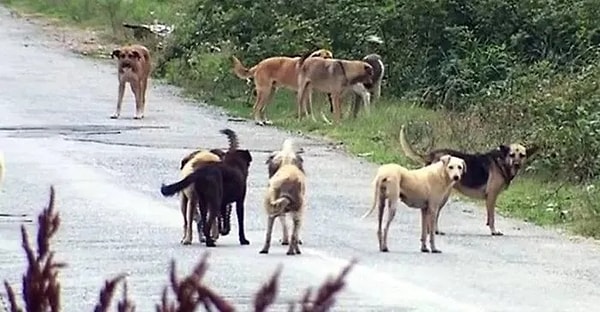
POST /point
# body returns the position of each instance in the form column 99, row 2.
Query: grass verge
column 374, row 137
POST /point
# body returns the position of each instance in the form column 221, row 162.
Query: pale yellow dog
column 424, row 188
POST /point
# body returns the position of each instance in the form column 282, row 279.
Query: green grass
column 374, row 137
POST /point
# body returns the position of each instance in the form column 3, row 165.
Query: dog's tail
column 172, row 189
column 378, row 187
column 304, row 57
column 408, row 150
column 240, row 70
column 234, row 143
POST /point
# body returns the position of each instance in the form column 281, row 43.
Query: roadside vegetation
column 41, row 291
column 468, row 74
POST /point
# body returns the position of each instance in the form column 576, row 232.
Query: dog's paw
column 290, row 253
column 435, row 251
column 244, row 241
column 186, row 241
column 424, row 249
column 260, row 123
column 384, row 249
column 264, row 251
column 440, row 233
column 497, row 233
column 138, row 117
column 210, row 243
column 284, row 242
column 115, row 116
column 268, row 122
column 202, row 239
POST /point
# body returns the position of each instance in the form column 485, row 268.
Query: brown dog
column 424, row 188
column 269, row 75
column 134, row 68
column 285, row 194
column 333, row 76
column 489, row 173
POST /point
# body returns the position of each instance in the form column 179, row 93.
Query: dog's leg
column 337, row 110
column 490, row 204
column 360, row 94
column 380, row 210
column 284, row 238
column 239, row 210
column 431, row 214
column 268, row 100
column 183, row 205
column 192, row 202
column 136, row 89
column 391, row 213
column 376, row 91
column 258, row 106
column 119, row 100
column 207, row 228
column 355, row 105
column 144, row 84
column 330, row 102
column 310, row 105
column 270, row 222
column 294, row 249
column 424, row 229
column 437, row 216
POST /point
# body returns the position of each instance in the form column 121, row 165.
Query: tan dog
column 188, row 198
column 424, row 188
column 285, row 194
column 269, row 75
column 333, row 76
column 291, row 156
column 134, row 68
column 489, row 173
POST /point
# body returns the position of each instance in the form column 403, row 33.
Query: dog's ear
column 532, row 150
column 270, row 158
column 445, row 159
column 115, row 53
column 504, row 150
column 464, row 167
column 136, row 54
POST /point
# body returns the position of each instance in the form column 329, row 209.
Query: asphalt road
column 54, row 129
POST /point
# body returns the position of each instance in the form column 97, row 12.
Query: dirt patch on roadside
column 83, row 41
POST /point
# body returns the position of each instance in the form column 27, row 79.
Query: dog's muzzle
column 455, row 178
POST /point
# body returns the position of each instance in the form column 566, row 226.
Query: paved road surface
column 54, row 109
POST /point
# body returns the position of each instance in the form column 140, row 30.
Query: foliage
column 41, row 289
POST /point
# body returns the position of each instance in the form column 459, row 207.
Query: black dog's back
column 478, row 166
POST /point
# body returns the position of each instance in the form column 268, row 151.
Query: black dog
column 217, row 185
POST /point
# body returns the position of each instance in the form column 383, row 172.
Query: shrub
column 41, row 289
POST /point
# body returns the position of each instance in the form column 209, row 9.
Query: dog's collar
column 504, row 171
column 343, row 71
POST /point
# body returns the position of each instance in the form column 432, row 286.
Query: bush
column 521, row 70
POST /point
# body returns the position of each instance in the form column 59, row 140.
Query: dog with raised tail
column 424, row 188
column 286, row 195
column 489, row 172
column 269, row 75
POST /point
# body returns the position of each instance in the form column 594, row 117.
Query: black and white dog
column 363, row 92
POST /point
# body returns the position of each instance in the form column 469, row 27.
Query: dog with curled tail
column 286, row 196
column 133, row 68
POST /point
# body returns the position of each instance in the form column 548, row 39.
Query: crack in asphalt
column 97, row 141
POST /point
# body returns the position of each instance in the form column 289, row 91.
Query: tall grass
column 41, row 290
